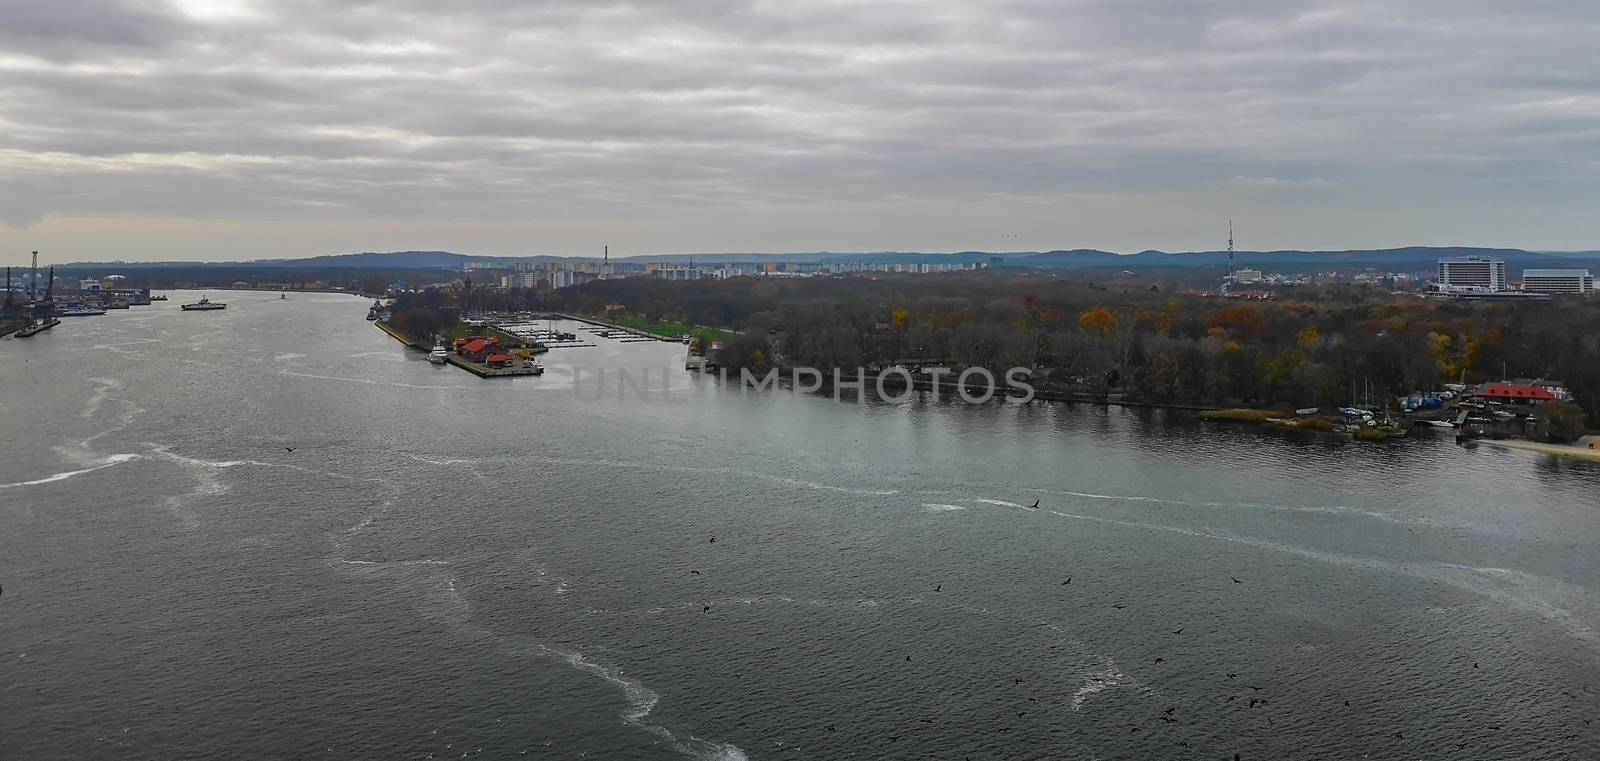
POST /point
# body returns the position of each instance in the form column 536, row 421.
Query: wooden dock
column 607, row 324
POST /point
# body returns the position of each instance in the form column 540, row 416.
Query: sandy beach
column 1587, row 448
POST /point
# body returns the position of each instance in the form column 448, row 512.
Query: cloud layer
column 716, row 124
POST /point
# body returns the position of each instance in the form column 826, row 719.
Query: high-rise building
column 1558, row 281
column 1472, row 273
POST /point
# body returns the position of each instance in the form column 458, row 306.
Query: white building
column 528, row 278
column 1246, row 276
column 1472, row 273
column 1558, row 281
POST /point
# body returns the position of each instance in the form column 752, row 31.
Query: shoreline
column 1537, row 447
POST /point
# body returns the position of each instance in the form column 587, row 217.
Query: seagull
column 1161, row 660
column 1236, row 581
column 706, row 609
column 694, row 573
column 1068, row 581
column 713, row 540
column 1034, row 506
column 937, row 588
column 1119, row 607
column 289, row 448
column 1179, row 631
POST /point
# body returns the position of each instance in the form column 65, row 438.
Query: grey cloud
column 71, row 29
column 494, row 108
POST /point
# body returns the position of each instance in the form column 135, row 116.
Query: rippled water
column 445, row 564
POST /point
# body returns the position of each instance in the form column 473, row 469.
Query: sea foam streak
column 115, row 459
column 446, row 601
column 935, row 507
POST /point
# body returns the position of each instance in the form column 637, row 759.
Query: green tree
column 1563, row 422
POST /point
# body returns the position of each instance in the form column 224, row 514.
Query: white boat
column 439, row 355
column 83, row 311
column 1438, row 423
column 203, row 305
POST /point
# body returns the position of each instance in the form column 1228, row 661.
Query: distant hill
column 1408, row 257
column 1411, row 258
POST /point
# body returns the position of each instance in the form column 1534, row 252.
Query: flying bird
column 1179, row 631
column 1034, row 506
column 713, row 540
column 696, row 573
column 1119, row 607
column 291, row 449
column 937, row 588
column 1068, row 581
column 1236, row 581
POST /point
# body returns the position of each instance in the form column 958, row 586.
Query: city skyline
column 238, row 130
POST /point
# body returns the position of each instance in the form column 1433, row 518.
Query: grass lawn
column 673, row 329
column 461, row 330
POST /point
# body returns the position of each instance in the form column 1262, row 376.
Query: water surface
column 445, row 564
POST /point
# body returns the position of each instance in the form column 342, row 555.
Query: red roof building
column 1516, row 392
column 478, row 348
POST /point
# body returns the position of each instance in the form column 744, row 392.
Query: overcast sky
column 130, row 129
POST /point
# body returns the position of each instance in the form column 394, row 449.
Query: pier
column 517, row 368
column 609, row 325
column 38, row 328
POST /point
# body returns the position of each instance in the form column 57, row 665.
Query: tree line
column 1136, row 339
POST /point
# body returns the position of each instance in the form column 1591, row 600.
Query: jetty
column 38, row 327
column 609, row 325
column 515, row 369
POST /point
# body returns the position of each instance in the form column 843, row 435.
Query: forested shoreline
column 1308, row 346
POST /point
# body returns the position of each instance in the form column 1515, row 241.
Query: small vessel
column 283, row 296
column 376, row 311
column 162, row 297
column 203, row 305
column 439, row 355
column 82, row 311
